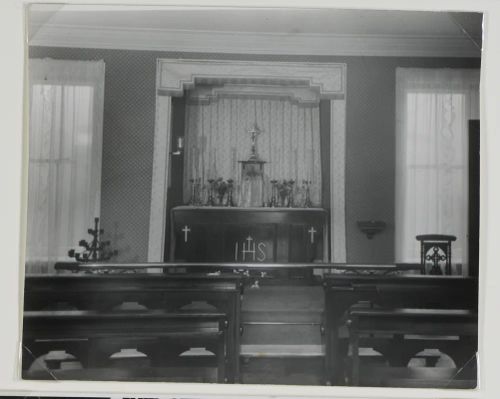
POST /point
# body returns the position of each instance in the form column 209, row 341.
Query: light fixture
column 371, row 227
column 180, row 146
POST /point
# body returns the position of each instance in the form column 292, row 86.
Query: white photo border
column 13, row 176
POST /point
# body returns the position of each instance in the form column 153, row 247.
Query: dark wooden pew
column 102, row 292
column 394, row 291
column 94, row 336
column 437, row 323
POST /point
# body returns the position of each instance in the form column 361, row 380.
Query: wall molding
column 53, row 35
column 160, row 178
column 174, row 76
column 299, row 95
column 338, row 240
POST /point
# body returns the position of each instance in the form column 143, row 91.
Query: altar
column 249, row 235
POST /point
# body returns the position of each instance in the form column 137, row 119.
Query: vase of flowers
column 285, row 189
column 221, row 188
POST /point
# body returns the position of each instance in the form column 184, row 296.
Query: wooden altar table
column 249, row 235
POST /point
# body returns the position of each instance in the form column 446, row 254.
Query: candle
column 202, row 160
column 296, row 161
column 271, row 161
column 214, row 165
column 194, row 163
column 311, row 170
column 233, row 160
column 97, row 206
column 209, row 173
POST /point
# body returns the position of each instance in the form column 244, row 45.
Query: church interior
column 252, row 196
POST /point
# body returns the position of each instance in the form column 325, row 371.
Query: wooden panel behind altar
column 265, row 235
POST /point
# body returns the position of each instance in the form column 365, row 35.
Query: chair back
column 435, row 253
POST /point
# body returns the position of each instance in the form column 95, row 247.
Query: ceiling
column 258, row 30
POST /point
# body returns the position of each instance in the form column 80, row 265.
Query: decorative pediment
column 175, row 76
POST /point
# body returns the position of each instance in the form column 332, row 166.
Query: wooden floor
column 276, row 371
column 290, row 371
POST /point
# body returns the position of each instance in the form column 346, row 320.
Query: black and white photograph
column 244, row 195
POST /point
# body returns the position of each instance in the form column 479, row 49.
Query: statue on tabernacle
column 254, row 133
column 252, row 174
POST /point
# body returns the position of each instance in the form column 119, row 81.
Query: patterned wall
column 129, row 130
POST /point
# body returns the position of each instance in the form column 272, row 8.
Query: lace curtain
column 217, row 137
column 65, row 139
column 432, row 112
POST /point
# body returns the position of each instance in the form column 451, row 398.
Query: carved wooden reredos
column 174, row 77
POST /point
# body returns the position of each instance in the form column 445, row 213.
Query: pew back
column 94, row 336
column 105, row 291
column 394, row 291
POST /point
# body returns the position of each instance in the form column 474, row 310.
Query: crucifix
column 312, row 231
column 435, row 258
column 254, row 133
column 186, row 230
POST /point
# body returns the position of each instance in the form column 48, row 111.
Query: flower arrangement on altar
column 222, row 187
column 285, row 192
column 219, row 192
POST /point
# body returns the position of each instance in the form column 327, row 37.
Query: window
column 65, row 140
column 432, row 112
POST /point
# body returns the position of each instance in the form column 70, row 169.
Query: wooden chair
column 435, row 253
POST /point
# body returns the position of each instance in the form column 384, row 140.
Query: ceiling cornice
column 252, row 43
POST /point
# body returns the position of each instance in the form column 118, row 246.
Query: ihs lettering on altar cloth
column 250, row 251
